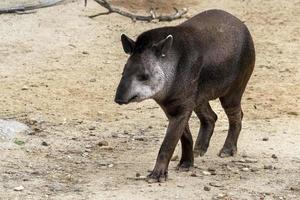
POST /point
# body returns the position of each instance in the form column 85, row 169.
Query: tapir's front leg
column 174, row 132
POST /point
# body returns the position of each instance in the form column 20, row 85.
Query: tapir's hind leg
column 232, row 107
column 187, row 157
column 207, row 118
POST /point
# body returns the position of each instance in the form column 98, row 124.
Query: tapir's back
column 227, row 49
column 217, row 31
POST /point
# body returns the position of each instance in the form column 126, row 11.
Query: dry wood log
column 152, row 16
column 23, row 9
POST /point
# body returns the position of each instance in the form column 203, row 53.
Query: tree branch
column 178, row 13
column 23, row 8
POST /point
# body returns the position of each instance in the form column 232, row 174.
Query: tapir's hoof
column 199, row 152
column 227, row 152
column 157, row 176
column 184, row 166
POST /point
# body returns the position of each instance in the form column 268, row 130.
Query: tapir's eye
column 143, row 77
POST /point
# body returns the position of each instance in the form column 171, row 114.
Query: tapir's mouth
column 133, row 99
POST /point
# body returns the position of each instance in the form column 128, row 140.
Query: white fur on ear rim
column 169, row 36
column 169, row 41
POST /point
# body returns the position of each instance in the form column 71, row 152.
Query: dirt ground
column 58, row 73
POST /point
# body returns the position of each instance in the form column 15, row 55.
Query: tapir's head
column 143, row 76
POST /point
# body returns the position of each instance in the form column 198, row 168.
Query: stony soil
column 58, row 74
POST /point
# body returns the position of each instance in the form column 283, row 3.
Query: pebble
column 251, row 160
column 110, row 165
column 174, row 158
column 19, row 188
column 295, row 188
column 109, row 148
column 84, row 154
column 207, row 188
column 137, row 174
column 245, row 169
column 193, row 174
column 24, row 87
column 180, row 185
column 92, row 127
column 271, row 167
column 102, row 143
column 265, row 139
column 139, row 138
column 219, row 196
column 45, row 144
column 274, row 156
column 210, row 169
column 254, row 169
column 215, row 184
column 206, row 173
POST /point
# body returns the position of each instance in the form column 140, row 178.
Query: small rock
column 110, row 165
column 108, row 148
column 274, row 156
column 174, row 158
column 219, row 196
column 93, row 80
column 193, row 174
column 19, row 188
column 85, row 52
column 84, row 154
column 265, row 139
column 215, row 184
column 245, row 169
column 295, row 188
column 139, row 138
column 9, row 129
column 103, row 143
column 251, row 160
column 293, row 113
column 254, row 169
column 45, row 144
column 207, row 188
column 180, row 185
column 24, row 87
column 92, row 127
column 206, row 173
column 271, row 167
column 137, row 174
column 211, row 169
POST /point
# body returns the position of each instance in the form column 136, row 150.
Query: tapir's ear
column 128, row 44
column 163, row 46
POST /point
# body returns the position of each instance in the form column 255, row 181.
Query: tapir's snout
column 120, row 97
column 120, row 101
column 122, row 94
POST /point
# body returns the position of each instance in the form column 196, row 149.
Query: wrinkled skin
column 182, row 68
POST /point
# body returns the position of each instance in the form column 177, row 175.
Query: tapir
column 210, row 56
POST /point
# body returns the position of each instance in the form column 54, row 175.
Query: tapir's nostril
column 120, row 101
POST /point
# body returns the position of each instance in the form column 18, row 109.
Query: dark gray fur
column 182, row 68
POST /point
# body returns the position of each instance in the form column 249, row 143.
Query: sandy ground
column 58, row 74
